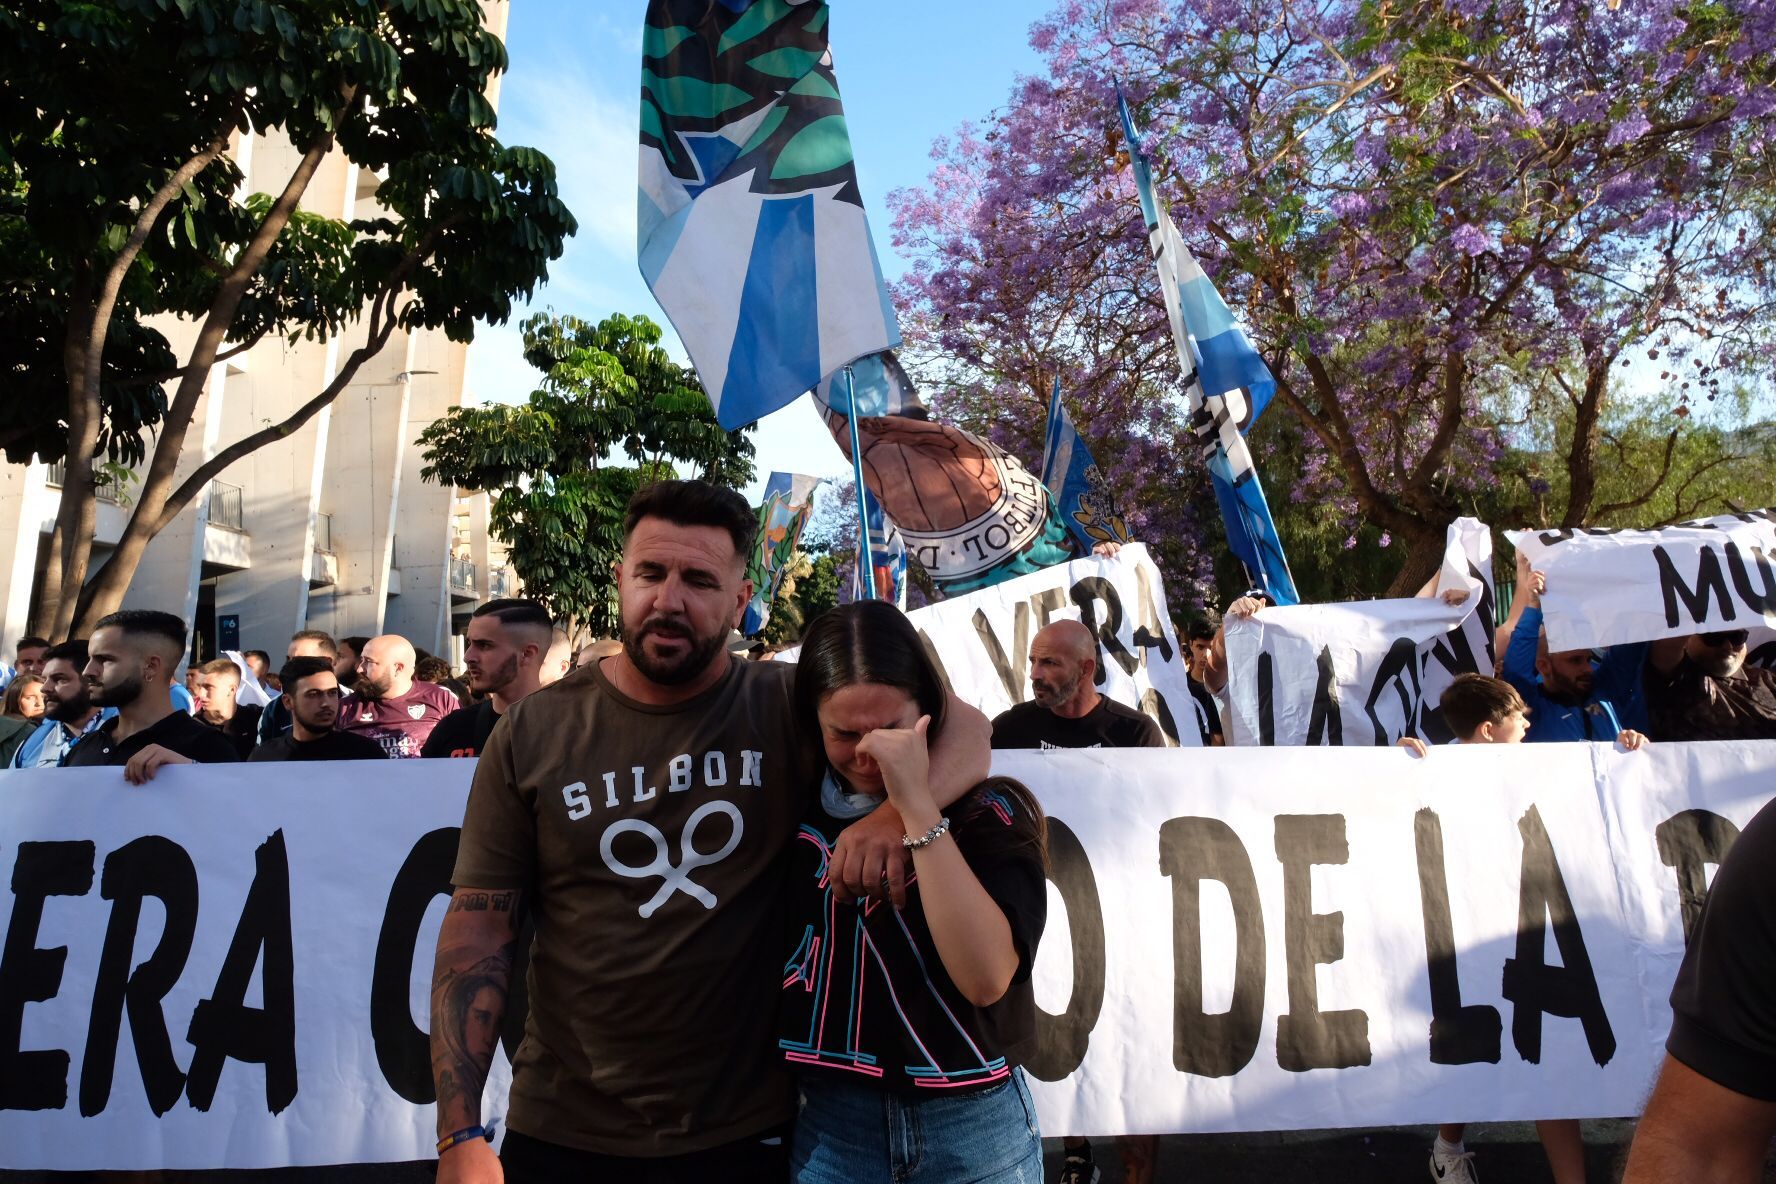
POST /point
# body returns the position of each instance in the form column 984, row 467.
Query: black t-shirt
column 1108, row 725
column 463, row 732
column 242, row 729
column 1208, row 713
column 1724, row 1004
column 178, row 732
column 334, row 746
column 864, row 989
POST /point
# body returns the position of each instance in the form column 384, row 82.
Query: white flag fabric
column 1611, row 586
column 1367, row 672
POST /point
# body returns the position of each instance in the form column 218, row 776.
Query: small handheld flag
column 1084, row 498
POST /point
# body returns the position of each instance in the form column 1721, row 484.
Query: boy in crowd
column 311, row 703
column 1481, row 710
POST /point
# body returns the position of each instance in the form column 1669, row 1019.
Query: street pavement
column 1505, row 1152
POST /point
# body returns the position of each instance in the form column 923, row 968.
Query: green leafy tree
column 121, row 202
column 608, row 390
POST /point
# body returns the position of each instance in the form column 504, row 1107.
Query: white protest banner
column 1762, row 647
column 982, row 640
column 1612, row 586
column 1367, row 672
column 204, row 974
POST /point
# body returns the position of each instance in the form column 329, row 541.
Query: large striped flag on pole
column 752, row 232
column 1227, row 384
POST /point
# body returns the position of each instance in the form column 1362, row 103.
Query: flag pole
column 866, row 562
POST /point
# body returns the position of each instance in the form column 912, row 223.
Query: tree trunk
column 77, row 513
column 106, row 591
column 1581, row 458
column 1424, row 555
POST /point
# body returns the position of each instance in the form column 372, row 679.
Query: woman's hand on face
column 904, row 759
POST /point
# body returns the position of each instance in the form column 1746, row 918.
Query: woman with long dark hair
column 907, row 1027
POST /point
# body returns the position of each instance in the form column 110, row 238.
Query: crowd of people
column 835, row 820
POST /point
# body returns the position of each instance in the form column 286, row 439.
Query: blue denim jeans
column 847, row 1134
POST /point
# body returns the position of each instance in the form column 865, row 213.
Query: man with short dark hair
column 311, row 700
column 1571, row 695
column 345, row 664
column 649, row 1048
column 507, row 643
column 309, row 643
column 218, row 684
column 68, row 710
column 30, row 652
column 132, row 657
column 387, row 704
column 259, row 662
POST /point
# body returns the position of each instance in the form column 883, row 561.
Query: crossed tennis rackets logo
column 675, row 878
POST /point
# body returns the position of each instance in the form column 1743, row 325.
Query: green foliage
column 810, row 588
column 608, row 390
column 102, row 103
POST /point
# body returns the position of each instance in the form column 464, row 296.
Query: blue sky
column 911, row 71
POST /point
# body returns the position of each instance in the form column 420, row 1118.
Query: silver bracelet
column 929, row 837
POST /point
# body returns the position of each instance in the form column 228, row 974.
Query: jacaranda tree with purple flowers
column 1439, row 219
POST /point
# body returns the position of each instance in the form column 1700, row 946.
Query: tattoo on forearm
column 482, row 902
column 468, row 1008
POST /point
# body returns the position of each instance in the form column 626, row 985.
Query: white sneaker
column 1457, row 1169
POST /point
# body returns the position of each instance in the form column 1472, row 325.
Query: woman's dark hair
column 867, row 641
column 871, row 641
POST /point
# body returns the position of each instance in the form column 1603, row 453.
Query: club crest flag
column 1227, row 384
column 789, row 499
column 751, row 228
column 1078, row 487
column 971, row 514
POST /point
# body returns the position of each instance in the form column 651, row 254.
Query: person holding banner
column 1572, row 695
column 311, row 703
column 908, row 1059
column 1700, row 688
column 131, row 659
column 637, row 810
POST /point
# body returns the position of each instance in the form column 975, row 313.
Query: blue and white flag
column 752, row 231
column 888, row 554
column 1225, row 394
column 1076, row 484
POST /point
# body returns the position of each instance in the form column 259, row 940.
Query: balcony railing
column 499, row 583
column 57, row 478
column 324, row 533
column 463, row 574
column 225, row 506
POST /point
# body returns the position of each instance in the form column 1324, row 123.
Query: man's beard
column 1723, row 666
column 671, row 672
column 497, row 680
column 1049, row 694
column 121, row 695
column 317, row 726
column 66, row 711
column 373, row 689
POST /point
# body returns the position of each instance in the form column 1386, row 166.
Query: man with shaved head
column 1068, row 712
column 387, row 705
column 131, row 660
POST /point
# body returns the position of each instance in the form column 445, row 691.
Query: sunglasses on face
column 1731, row 638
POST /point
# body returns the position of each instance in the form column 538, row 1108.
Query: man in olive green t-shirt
column 636, row 810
